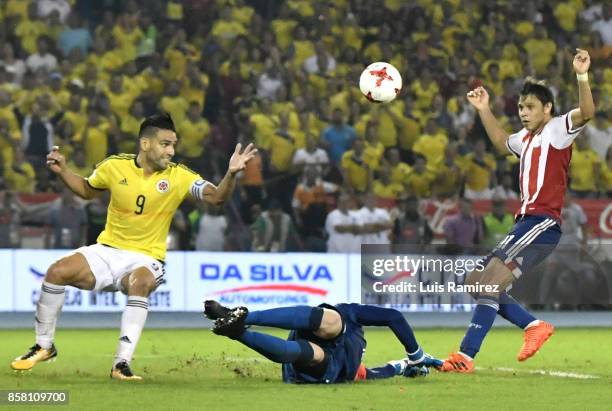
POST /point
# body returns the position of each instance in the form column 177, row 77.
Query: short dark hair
column 540, row 91
column 156, row 122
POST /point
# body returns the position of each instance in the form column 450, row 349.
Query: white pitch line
column 550, row 373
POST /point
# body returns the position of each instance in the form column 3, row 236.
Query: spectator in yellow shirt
column 480, row 169
column 282, row 145
column 104, row 56
column 374, row 150
column 242, row 12
column 226, row 29
column 585, row 169
column 66, row 137
column 173, row 102
column 29, row 29
column 432, row 143
column 386, row 189
column 127, row 35
column 129, row 127
column 120, row 96
column 78, row 164
column 399, row 170
column 302, row 47
column 20, row 176
column 75, row 113
column 283, row 27
column 94, row 138
column 264, row 123
column 6, row 111
column 540, row 49
column 566, row 13
column 424, row 89
column 8, row 140
column 408, row 128
column 178, row 53
column 355, row 170
column 195, row 84
column 387, row 118
column 494, row 81
column 57, row 91
column 18, row 8
column 420, row 181
column 449, row 176
column 193, row 133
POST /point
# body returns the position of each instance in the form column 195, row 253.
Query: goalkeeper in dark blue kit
column 325, row 344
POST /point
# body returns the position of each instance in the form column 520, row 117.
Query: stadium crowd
column 333, row 170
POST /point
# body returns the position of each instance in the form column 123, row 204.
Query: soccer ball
column 380, row 82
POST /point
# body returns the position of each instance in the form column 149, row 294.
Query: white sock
column 532, row 324
column 467, row 357
column 132, row 322
column 48, row 308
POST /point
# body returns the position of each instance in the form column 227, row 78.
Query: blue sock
column 386, row 371
column 301, row 317
column 276, row 349
column 482, row 321
column 512, row 311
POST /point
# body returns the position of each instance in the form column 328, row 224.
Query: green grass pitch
column 194, row 369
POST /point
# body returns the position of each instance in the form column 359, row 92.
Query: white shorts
column 109, row 265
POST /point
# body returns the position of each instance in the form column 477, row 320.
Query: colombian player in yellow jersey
column 146, row 189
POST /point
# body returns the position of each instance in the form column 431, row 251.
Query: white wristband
column 583, row 77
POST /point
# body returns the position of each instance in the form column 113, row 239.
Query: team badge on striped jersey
column 163, row 186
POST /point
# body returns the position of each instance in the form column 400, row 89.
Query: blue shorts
column 342, row 355
column 530, row 241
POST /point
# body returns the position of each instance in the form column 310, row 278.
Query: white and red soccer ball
column 380, row 82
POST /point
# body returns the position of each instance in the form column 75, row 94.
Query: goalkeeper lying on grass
column 325, row 344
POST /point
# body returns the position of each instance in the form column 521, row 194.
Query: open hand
column 239, row 160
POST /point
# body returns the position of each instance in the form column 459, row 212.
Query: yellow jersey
column 141, row 208
column 193, row 135
column 356, row 170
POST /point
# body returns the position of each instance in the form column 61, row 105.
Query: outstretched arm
column 479, row 98
column 586, row 109
column 218, row 194
column 379, row 316
column 76, row 183
column 369, row 315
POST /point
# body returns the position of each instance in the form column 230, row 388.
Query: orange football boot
column 456, row 362
column 534, row 337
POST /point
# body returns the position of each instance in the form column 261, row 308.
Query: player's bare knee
column 331, row 325
column 473, row 277
column 499, row 275
column 487, row 275
column 141, row 283
column 58, row 274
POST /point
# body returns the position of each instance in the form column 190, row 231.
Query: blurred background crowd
column 333, row 169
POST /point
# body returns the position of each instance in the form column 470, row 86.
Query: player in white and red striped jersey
column 544, row 147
